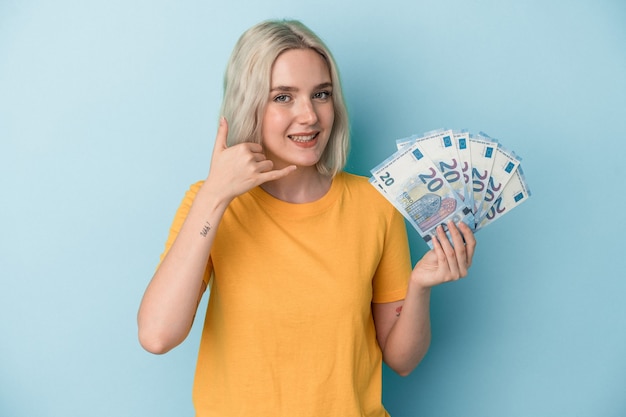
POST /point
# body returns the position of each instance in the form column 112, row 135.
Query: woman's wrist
column 417, row 286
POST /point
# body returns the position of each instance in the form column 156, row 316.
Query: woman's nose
column 307, row 113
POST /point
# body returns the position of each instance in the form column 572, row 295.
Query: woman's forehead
column 299, row 67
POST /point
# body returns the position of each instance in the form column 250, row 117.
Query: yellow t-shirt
column 288, row 329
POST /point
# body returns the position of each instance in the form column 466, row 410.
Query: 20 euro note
column 463, row 148
column 505, row 163
column 414, row 185
column 514, row 193
column 482, row 151
column 440, row 147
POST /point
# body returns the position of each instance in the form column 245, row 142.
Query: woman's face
column 299, row 113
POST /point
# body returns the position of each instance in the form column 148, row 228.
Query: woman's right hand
column 239, row 168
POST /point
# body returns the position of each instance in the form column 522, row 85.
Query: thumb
column 222, row 134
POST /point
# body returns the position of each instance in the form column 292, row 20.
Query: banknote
column 505, row 163
column 440, row 147
column 415, row 186
column 482, row 149
column 514, row 193
column 404, row 142
column 462, row 145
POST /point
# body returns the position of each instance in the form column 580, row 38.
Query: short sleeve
column 394, row 269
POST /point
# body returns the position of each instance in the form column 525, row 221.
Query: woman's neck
column 304, row 185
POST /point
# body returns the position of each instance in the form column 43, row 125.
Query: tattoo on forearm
column 205, row 229
column 398, row 311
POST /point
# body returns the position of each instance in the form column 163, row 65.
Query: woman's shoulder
column 191, row 192
column 361, row 187
column 353, row 180
column 359, row 182
column 195, row 187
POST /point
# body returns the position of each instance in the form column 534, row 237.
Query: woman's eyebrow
column 288, row 88
column 324, row 85
column 283, row 88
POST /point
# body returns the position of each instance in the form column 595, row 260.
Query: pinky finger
column 470, row 241
column 276, row 174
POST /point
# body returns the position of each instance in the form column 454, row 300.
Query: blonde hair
column 247, row 86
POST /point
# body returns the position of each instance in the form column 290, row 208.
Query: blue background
column 108, row 111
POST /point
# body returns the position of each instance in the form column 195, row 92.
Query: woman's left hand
column 449, row 259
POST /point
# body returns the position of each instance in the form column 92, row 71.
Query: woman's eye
column 322, row 95
column 282, row 98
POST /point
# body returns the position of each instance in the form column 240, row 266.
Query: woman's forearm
column 169, row 304
column 409, row 338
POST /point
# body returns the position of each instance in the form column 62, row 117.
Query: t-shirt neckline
column 300, row 209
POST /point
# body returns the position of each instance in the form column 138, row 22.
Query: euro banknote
column 461, row 140
column 413, row 183
column 514, row 193
column 440, row 148
column 505, row 163
column 482, row 149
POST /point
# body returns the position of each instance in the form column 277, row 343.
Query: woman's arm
column 403, row 327
column 169, row 304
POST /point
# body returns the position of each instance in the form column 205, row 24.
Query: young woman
column 311, row 285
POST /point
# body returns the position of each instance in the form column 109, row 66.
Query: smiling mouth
column 303, row 139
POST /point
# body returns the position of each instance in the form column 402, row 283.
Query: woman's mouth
column 303, row 138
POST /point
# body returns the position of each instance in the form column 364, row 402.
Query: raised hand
column 448, row 260
column 239, row 168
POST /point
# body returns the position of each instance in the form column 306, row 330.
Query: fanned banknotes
column 448, row 175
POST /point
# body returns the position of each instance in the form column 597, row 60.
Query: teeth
column 302, row 138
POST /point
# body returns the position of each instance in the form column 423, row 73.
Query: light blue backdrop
column 108, row 112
